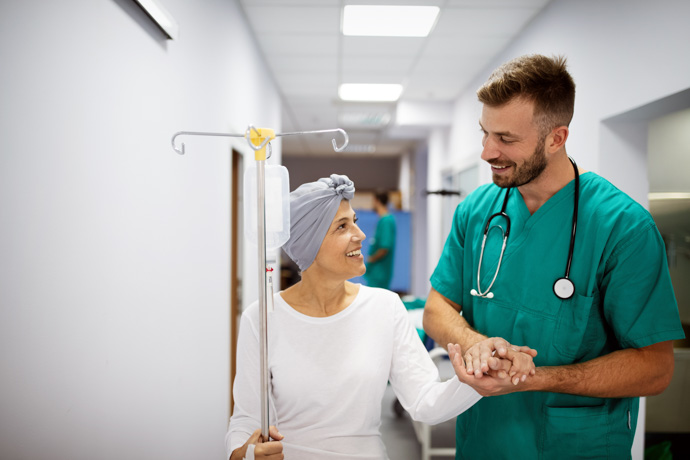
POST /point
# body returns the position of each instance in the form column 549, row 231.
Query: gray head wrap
column 312, row 209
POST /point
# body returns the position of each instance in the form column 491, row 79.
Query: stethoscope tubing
column 563, row 287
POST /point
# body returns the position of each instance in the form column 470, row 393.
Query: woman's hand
column 263, row 450
column 494, row 382
column 505, row 360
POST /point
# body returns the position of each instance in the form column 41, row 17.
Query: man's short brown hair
column 540, row 79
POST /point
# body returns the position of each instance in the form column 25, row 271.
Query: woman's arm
column 415, row 378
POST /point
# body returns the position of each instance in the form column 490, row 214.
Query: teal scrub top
column 623, row 299
column 380, row 273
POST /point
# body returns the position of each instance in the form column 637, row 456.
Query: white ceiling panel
column 498, row 3
column 294, row 3
column 377, row 66
column 384, row 47
column 463, row 65
column 307, row 87
column 365, row 75
column 395, row 2
column 294, row 20
column 462, row 45
column 309, row 57
column 483, row 22
column 303, row 64
column 299, row 45
column 436, row 86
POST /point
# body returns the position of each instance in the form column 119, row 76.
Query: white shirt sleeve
column 246, row 388
column 415, row 378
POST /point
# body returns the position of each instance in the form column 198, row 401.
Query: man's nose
column 490, row 150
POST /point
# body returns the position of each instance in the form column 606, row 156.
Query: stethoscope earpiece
column 488, row 295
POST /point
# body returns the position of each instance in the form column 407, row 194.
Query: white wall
column 669, row 140
column 114, row 250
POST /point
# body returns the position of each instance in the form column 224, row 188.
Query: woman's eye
column 356, row 219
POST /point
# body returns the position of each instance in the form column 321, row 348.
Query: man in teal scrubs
column 382, row 248
column 598, row 350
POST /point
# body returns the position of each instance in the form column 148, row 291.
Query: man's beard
column 526, row 173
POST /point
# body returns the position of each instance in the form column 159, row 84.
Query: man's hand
column 491, row 355
column 487, row 385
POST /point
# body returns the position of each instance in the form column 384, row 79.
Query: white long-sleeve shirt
column 328, row 377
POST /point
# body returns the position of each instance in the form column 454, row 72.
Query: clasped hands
column 493, row 366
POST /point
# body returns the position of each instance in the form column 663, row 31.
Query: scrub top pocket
column 574, row 433
column 572, row 336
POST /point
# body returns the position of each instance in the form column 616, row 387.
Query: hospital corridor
column 344, row 229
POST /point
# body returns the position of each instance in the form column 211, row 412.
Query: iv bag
column 277, row 207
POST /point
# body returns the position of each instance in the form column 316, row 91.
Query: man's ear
column 556, row 139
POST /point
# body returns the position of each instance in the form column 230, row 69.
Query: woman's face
column 340, row 253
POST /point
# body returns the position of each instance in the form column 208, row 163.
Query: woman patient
column 333, row 346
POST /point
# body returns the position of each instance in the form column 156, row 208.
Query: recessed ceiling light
column 376, row 92
column 389, row 20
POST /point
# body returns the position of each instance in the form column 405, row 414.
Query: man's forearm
column 444, row 324
column 378, row 255
column 624, row 373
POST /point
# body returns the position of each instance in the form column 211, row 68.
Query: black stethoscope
column 563, row 287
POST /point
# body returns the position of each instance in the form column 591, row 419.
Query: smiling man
column 557, row 259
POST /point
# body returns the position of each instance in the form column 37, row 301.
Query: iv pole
column 258, row 139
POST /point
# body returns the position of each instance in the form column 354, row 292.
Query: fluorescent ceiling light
column 669, row 196
column 388, row 20
column 376, row 92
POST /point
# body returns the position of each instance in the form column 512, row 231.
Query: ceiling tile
column 384, row 47
column 299, row 3
column 274, row 19
column 462, row 45
column 298, row 45
column 498, row 3
column 308, row 85
column 376, row 66
column 482, row 22
column 303, row 64
column 438, row 64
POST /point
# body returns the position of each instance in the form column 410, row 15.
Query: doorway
column 236, row 257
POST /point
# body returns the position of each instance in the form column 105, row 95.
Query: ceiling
column 309, row 57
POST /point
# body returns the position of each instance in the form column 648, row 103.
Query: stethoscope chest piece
column 563, row 288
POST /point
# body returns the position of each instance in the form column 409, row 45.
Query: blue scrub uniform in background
column 380, row 273
column 623, row 299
